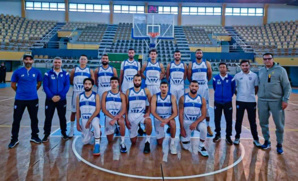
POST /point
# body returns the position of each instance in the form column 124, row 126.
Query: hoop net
column 153, row 34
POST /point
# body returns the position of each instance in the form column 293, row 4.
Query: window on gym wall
column 129, row 9
column 244, row 12
column 97, row 8
column 201, row 11
column 45, row 6
column 167, row 10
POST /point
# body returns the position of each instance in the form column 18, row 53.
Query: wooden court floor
column 69, row 160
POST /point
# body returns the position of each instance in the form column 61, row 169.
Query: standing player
column 200, row 70
column 176, row 74
column 103, row 75
column 192, row 113
column 129, row 68
column 88, row 107
column 164, row 109
column 114, row 107
column 77, row 76
column 154, row 73
column 138, row 111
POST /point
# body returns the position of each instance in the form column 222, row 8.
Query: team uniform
column 137, row 108
column 130, row 68
column 164, row 110
column 78, row 87
column 192, row 111
column 87, row 108
column 113, row 106
column 153, row 77
column 103, row 79
column 199, row 73
column 177, row 79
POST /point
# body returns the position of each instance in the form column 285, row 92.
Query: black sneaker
column 123, row 148
column 45, row 139
column 65, row 137
column 35, row 140
column 147, row 147
column 13, row 143
column 229, row 141
column 216, row 138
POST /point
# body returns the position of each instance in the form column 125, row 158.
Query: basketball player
column 176, row 74
column 192, row 113
column 164, row 109
column 154, row 73
column 200, row 70
column 114, row 107
column 103, row 75
column 129, row 68
column 77, row 76
column 88, row 107
column 138, row 111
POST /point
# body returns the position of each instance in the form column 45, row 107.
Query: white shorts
column 101, row 90
column 204, row 92
column 74, row 101
column 202, row 128
column 153, row 89
column 177, row 91
column 160, row 131
column 134, row 122
column 109, row 129
column 87, row 135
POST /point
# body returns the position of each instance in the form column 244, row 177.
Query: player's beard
column 193, row 91
column 199, row 58
column 28, row 65
column 137, row 85
column 130, row 57
column 87, row 89
column 105, row 63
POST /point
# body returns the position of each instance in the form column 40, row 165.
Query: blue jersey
column 153, row 74
column 104, row 77
column 177, row 74
column 87, row 105
column 137, row 102
column 192, row 107
column 79, row 76
column 113, row 103
column 164, row 106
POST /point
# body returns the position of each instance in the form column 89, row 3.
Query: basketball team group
column 126, row 103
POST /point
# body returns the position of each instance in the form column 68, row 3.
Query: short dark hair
column 137, row 75
column 86, row 79
column 105, row 55
column 194, row 81
column 199, row 50
column 268, row 54
column 164, row 82
column 244, row 61
column 222, row 63
column 177, row 51
column 114, row 78
column 131, row 49
column 83, row 55
column 153, row 50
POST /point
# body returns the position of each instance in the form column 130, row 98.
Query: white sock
column 72, row 124
column 207, row 122
column 147, row 138
column 97, row 140
column 201, row 144
column 122, row 139
column 172, row 141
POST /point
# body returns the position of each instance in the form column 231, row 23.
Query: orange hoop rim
column 153, row 34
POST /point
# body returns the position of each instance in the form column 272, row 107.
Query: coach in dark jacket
column 224, row 89
column 56, row 85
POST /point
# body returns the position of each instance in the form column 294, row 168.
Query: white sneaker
column 203, row 151
column 173, row 149
column 71, row 132
column 186, row 146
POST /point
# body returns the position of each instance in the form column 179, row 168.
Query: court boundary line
column 156, row 178
column 6, row 99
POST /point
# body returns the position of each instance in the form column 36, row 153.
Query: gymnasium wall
column 89, row 17
column 11, row 7
column 46, row 15
column 282, row 13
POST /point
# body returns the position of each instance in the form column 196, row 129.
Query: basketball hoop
column 153, row 34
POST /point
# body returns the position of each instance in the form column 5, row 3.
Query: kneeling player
column 164, row 109
column 114, row 107
column 192, row 114
column 138, row 111
column 88, row 108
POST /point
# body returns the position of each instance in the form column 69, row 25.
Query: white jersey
column 192, row 107
column 153, row 74
column 87, row 105
column 177, row 74
column 113, row 103
column 164, row 106
column 79, row 76
column 104, row 77
column 130, row 69
column 137, row 102
column 199, row 72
